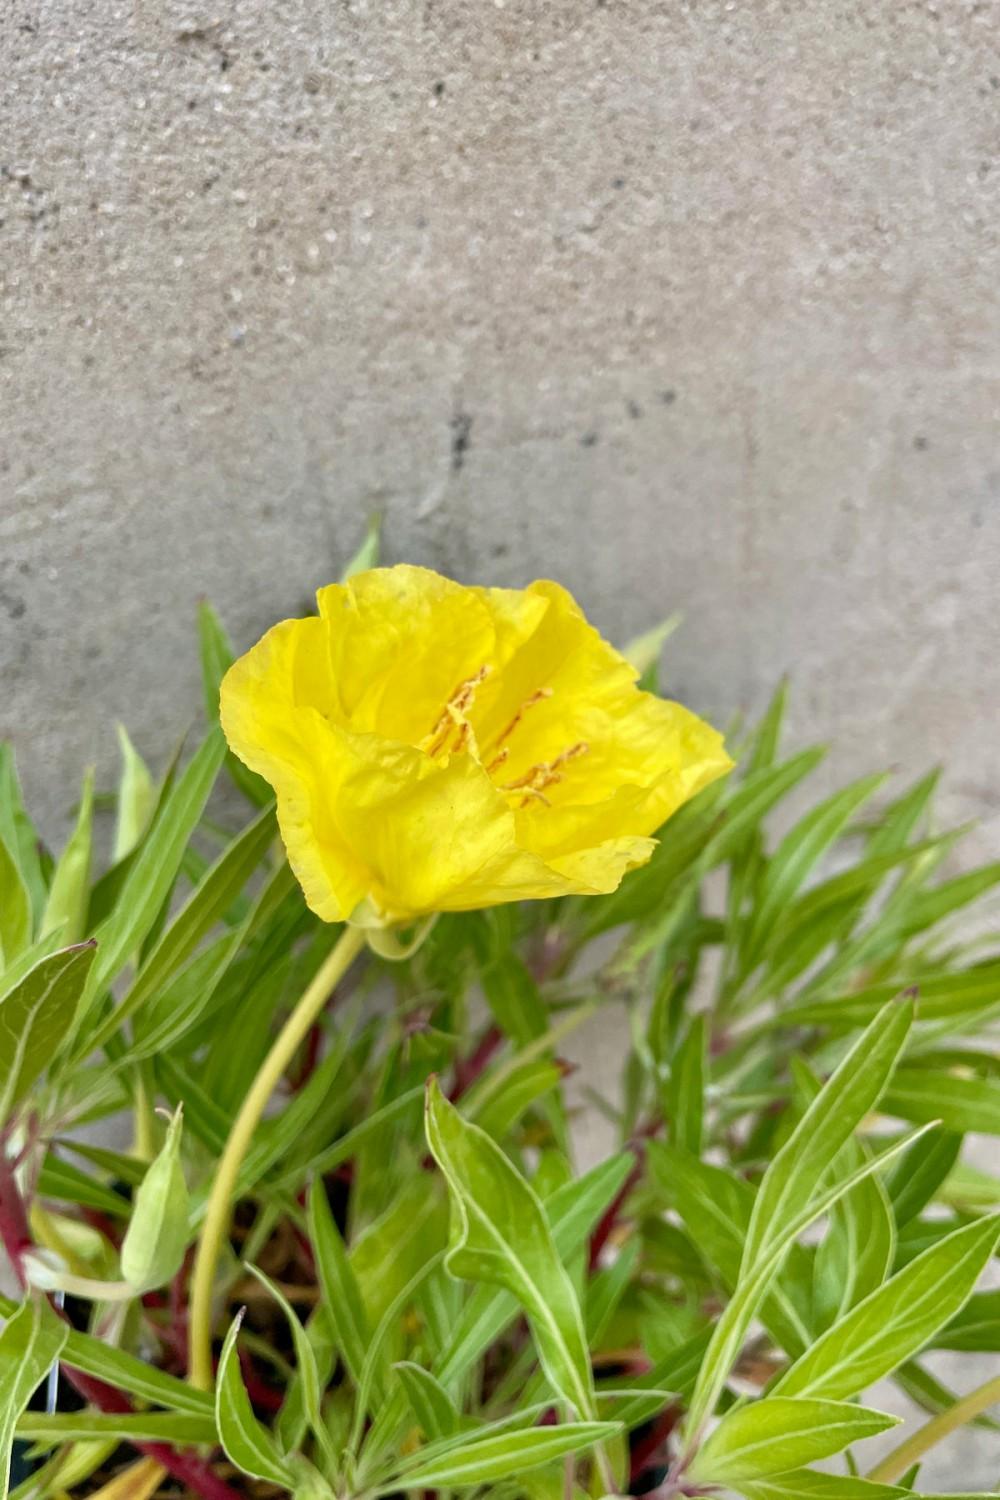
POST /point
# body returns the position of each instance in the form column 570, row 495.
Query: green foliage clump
column 422, row 1292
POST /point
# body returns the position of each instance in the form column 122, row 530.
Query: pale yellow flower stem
column 903, row 1457
column 220, row 1203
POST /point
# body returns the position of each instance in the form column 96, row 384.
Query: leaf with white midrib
column 249, row 1445
column 570, row 1373
column 735, row 1320
column 896, row 1321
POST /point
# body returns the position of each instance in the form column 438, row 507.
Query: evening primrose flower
column 440, row 748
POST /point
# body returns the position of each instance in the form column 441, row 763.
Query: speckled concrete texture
column 690, row 303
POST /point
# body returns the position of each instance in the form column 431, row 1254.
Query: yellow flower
column 441, row 748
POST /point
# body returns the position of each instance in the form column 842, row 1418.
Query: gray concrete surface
column 690, row 303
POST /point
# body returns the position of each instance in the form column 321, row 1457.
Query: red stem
column 467, row 1070
column 609, row 1220
column 14, row 1230
column 187, row 1467
column 648, row 1445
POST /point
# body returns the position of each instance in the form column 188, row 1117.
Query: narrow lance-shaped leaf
column 151, row 877
column 486, row 1459
column 34, row 1017
column 341, row 1292
column 501, row 1235
column 66, row 905
column 15, row 908
column 29, row 1346
column 813, row 1484
column 207, row 903
column 367, row 553
column 248, row 1444
column 684, row 1091
column 307, row 1368
column 797, row 854
column 572, row 1211
column 216, row 659
column 778, row 1433
column 433, row 1408
column 960, row 1103
column 896, row 1321
column 18, row 832
column 787, row 1200
column 853, row 1090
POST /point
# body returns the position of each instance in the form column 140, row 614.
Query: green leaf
column 180, row 1428
column 307, row 1369
column 514, row 998
column 798, row 853
column 116, row 1367
column 207, row 904
column 959, row 1103
column 341, row 1293
column 34, row 1017
column 66, row 906
column 779, row 1433
column 15, row 908
column 930, row 907
column 30, row 1344
column 501, row 1236
column 812, row 1484
column 572, row 1211
column 684, row 1091
column 500, row 1111
column 949, row 997
column 787, row 1200
column 247, row 1443
column 897, row 1320
column 857, row 1085
column 976, row 1327
column 436, row 1413
column 368, row 552
column 151, row 877
column 858, row 1250
column 717, row 1207
column 371, row 1387
column 18, row 832
column 157, row 1235
column 67, row 1183
column 136, row 798
column 485, row 1459
column 921, row 1172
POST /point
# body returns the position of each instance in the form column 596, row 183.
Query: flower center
column 453, row 732
column 545, row 773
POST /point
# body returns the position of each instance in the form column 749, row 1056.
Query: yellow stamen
column 453, row 718
column 501, row 755
column 544, row 774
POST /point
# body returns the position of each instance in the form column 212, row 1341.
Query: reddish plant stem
column 187, row 1467
column 609, row 1219
column 649, row 1444
column 16, row 1236
column 260, row 1393
column 14, row 1229
column 468, row 1069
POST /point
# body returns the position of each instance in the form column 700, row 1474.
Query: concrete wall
column 690, row 303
